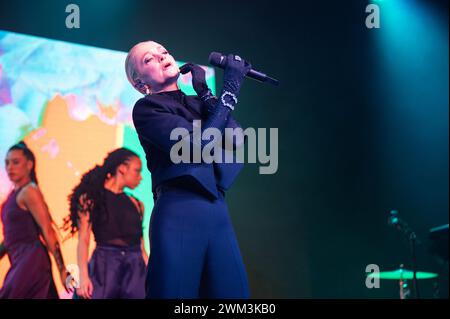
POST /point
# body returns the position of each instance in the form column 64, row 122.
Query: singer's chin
column 170, row 79
column 172, row 74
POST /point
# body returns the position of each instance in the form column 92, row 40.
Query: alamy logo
column 373, row 276
column 216, row 151
column 373, row 19
column 73, row 19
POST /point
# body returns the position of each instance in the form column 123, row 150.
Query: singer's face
column 155, row 66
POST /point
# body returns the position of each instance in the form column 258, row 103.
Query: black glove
column 235, row 70
column 198, row 77
column 200, row 87
column 218, row 109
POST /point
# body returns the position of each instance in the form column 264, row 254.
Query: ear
column 142, row 87
column 122, row 169
column 30, row 165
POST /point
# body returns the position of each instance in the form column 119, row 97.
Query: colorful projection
column 71, row 104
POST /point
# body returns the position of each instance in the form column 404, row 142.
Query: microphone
column 401, row 225
column 219, row 60
column 396, row 222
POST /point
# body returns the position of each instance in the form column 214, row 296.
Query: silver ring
column 237, row 58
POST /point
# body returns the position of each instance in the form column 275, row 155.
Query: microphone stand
column 412, row 243
column 402, row 226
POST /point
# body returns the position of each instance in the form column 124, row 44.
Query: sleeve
column 210, row 103
column 154, row 123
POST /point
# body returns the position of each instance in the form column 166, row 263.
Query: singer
column 193, row 248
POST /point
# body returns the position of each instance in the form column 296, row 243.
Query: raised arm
column 155, row 123
column 210, row 102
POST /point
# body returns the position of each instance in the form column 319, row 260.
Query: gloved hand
column 235, row 70
column 198, row 77
column 200, row 86
column 219, row 109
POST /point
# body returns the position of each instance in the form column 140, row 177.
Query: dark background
column 355, row 139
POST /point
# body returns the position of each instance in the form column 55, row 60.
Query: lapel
column 192, row 105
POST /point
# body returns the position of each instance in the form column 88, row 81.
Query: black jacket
column 154, row 117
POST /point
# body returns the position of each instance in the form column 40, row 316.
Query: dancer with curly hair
column 98, row 204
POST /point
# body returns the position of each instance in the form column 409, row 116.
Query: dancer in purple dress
column 26, row 219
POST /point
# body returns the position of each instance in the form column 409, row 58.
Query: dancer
column 99, row 204
column 193, row 248
column 25, row 219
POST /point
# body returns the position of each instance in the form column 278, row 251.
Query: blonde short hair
column 130, row 67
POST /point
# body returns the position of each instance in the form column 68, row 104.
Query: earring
column 140, row 85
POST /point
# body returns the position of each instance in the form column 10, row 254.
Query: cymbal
column 402, row 274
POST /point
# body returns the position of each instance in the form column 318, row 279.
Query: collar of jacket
column 192, row 102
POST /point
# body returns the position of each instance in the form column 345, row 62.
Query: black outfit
column 117, row 267
column 193, row 248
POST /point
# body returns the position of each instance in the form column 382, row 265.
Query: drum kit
column 403, row 275
column 439, row 248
